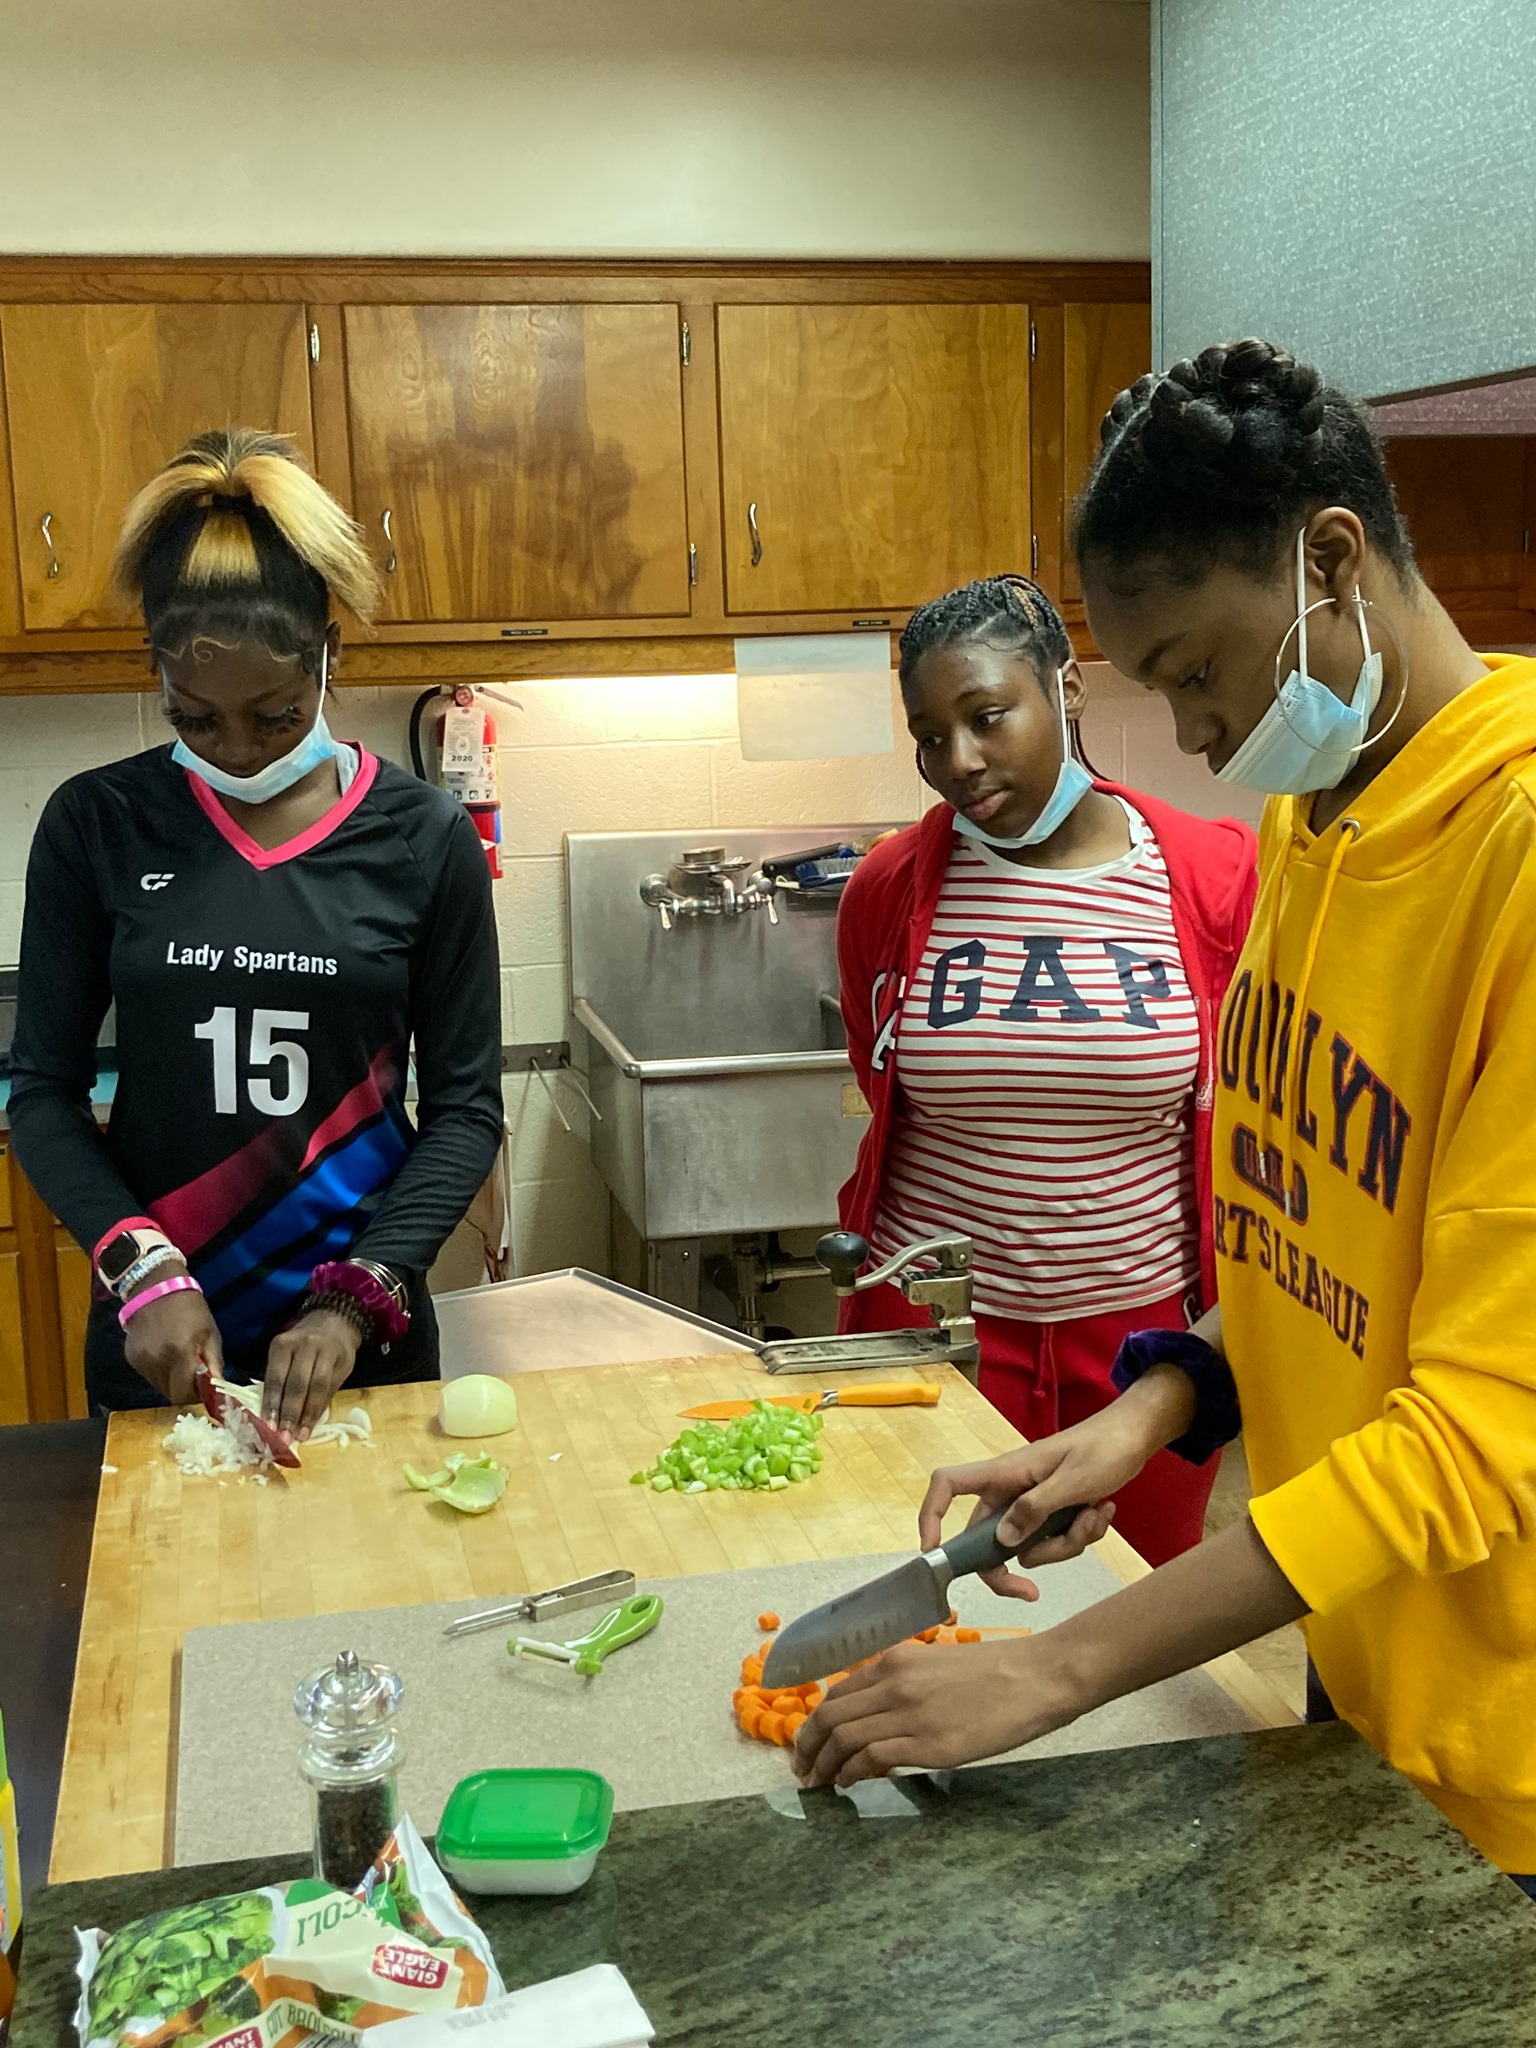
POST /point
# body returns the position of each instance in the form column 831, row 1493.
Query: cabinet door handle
column 757, row 538
column 53, row 560
column 389, row 535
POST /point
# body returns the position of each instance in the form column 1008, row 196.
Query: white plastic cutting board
column 656, row 1722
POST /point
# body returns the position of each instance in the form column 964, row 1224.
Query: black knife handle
column 977, row 1549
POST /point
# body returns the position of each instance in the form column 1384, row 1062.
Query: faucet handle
column 843, row 1252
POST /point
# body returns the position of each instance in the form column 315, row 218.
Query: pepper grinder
column 351, row 1761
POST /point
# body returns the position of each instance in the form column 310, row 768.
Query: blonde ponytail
column 229, row 476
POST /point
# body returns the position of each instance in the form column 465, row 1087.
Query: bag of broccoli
column 268, row 1968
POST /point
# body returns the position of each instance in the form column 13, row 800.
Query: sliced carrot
column 929, row 1635
column 768, row 1621
column 752, row 1670
column 793, row 1723
column 967, row 1635
column 772, row 1727
column 951, row 1618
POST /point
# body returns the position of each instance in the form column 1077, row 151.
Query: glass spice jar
column 351, row 1761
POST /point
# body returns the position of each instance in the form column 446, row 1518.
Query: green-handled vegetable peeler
column 620, row 1625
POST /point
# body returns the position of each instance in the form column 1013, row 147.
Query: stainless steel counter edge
column 829, row 1062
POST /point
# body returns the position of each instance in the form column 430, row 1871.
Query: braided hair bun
column 1226, row 454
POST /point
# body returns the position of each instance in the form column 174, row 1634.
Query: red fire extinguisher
column 465, row 732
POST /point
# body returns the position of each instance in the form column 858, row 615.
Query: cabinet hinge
column 1034, row 341
column 314, row 342
column 1034, row 554
column 687, row 345
column 693, row 565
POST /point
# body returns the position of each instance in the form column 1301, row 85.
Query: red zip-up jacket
column 882, row 930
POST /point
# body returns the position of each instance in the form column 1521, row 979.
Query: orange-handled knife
column 872, row 1394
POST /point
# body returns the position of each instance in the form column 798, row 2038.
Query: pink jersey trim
column 261, row 857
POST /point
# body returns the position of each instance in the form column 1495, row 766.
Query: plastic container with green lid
column 525, row 1831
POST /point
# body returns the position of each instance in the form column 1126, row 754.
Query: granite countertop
column 1279, row 1890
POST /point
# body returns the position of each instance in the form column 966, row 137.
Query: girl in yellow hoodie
column 1374, row 1171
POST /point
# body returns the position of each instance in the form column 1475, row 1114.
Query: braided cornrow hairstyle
column 1006, row 612
column 1224, row 458
column 235, row 540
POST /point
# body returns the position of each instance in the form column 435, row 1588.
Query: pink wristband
column 135, row 1302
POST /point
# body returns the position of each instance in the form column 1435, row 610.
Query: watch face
column 117, row 1257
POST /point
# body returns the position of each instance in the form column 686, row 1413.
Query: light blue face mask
column 316, row 747
column 1309, row 738
column 1073, row 783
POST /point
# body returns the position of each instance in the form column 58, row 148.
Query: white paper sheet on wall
column 814, row 696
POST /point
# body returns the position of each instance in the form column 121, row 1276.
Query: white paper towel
column 592, row 2008
column 814, row 696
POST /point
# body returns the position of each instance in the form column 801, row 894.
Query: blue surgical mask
column 316, row 747
column 1073, row 783
column 1308, row 738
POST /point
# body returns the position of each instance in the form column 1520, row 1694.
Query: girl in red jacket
column 1030, row 981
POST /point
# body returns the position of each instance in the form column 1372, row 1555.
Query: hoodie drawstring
column 1292, row 1053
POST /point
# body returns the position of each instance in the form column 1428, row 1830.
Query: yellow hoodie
column 1375, row 1183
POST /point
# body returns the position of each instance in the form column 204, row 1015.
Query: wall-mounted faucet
column 706, row 882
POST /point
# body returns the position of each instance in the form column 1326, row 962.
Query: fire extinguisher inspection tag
column 463, row 741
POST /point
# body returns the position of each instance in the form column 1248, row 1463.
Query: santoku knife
column 903, row 1603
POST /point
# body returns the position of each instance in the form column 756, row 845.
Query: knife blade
column 615, row 1585
column 872, row 1394
column 845, row 1631
column 218, row 1398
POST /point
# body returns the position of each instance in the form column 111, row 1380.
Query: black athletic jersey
column 266, row 1006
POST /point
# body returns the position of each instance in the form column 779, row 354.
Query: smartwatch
column 126, row 1247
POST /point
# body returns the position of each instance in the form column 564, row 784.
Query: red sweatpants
column 1046, row 1376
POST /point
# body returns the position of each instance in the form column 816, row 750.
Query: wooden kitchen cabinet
column 871, row 455
column 1469, row 510
column 15, row 1404
column 565, row 453
column 99, row 397
column 520, row 462
column 45, row 1295
column 1104, row 348
column 1085, row 352
column 73, row 1272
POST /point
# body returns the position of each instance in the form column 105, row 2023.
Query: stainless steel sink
column 718, row 1058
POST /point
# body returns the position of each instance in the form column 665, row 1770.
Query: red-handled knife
column 218, row 1401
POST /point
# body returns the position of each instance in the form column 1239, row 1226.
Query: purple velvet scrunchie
column 1217, row 1415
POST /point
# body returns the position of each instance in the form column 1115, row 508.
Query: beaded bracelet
column 334, row 1303
column 137, row 1274
column 361, row 1285
column 182, row 1283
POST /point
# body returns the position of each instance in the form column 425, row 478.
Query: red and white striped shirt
column 1047, row 1054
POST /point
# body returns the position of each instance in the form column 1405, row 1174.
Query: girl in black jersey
column 284, row 923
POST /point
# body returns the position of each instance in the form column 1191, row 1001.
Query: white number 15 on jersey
column 265, row 1051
